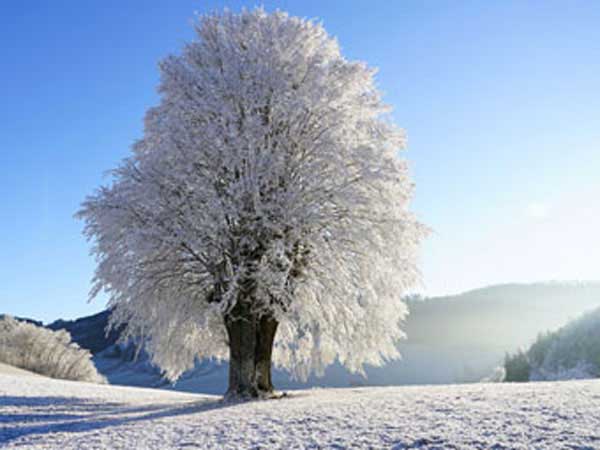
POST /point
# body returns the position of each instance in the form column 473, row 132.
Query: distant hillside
column 89, row 332
column 503, row 316
column 451, row 339
column 462, row 338
column 571, row 352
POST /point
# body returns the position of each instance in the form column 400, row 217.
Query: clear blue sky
column 500, row 100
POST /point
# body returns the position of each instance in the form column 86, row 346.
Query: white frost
column 51, row 414
column 270, row 161
column 46, row 352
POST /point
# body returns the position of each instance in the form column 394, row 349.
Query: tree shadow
column 44, row 402
column 73, row 415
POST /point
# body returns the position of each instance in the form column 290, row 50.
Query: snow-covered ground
column 37, row 412
column 5, row 369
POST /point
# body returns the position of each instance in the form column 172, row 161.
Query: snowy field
column 10, row 370
column 37, row 412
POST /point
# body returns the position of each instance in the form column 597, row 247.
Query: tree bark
column 251, row 340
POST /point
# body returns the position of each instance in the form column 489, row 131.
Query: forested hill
column 572, row 351
column 89, row 332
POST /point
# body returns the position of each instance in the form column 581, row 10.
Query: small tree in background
column 517, row 367
column 266, row 199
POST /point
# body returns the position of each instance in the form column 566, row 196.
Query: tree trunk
column 250, row 348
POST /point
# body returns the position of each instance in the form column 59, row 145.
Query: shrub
column 46, row 352
column 517, row 367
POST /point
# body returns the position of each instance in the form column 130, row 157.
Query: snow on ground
column 37, row 412
column 5, row 369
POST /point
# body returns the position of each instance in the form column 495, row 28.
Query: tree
column 517, row 367
column 266, row 198
column 40, row 350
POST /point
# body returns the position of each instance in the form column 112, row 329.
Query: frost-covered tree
column 266, row 198
column 43, row 351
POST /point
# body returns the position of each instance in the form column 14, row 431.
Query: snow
column 50, row 353
column 43, row 413
column 5, row 369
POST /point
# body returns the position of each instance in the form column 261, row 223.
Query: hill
column 462, row 338
column 451, row 339
column 89, row 332
column 572, row 351
column 502, row 315
column 53, row 414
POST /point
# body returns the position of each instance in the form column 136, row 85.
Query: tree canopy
column 269, row 166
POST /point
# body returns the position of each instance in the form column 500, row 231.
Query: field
column 36, row 412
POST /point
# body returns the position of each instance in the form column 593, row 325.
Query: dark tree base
column 251, row 340
column 235, row 397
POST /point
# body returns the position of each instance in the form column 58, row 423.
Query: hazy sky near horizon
column 500, row 101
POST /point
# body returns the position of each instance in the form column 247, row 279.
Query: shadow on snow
column 73, row 415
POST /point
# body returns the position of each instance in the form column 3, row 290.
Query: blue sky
column 500, row 100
